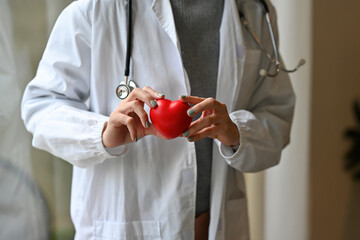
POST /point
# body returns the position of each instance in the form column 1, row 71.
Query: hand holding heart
column 129, row 121
column 214, row 121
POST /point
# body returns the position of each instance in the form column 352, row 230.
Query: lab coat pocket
column 140, row 230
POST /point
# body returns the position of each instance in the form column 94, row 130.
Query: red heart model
column 170, row 117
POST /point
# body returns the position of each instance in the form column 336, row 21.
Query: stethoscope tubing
column 274, row 60
column 129, row 40
column 125, row 87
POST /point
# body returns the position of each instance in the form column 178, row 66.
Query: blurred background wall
column 34, row 186
column 335, row 85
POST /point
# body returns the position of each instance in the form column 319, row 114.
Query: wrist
column 103, row 135
column 236, row 136
column 235, row 147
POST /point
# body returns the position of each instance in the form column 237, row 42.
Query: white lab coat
column 146, row 190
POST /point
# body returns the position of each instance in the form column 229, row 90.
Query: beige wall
column 336, row 83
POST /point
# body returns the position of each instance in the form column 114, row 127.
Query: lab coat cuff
column 231, row 153
column 108, row 152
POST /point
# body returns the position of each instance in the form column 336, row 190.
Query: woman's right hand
column 129, row 122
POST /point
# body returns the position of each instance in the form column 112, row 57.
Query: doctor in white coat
column 130, row 186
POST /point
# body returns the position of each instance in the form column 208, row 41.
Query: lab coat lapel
column 232, row 54
column 163, row 11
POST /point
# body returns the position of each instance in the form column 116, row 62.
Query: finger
column 208, row 103
column 120, row 120
column 129, row 106
column 191, row 99
column 144, row 96
column 204, row 114
column 154, row 93
column 140, row 112
column 152, row 131
column 204, row 133
column 137, row 107
column 200, row 124
column 194, row 122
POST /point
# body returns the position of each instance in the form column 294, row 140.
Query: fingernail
column 160, row 95
column 136, row 139
column 186, row 133
column 190, row 112
column 190, row 139
column 147, row 124
column 153, row 103
column 183, row 96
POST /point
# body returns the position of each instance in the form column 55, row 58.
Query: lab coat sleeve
column 264, row 126
column 54, row 103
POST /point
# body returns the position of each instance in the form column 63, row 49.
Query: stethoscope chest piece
column 123, row 90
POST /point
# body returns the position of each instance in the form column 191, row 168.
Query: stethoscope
column 275, row 60
column 125, row 87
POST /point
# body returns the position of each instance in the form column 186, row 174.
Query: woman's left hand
column 214, row 121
